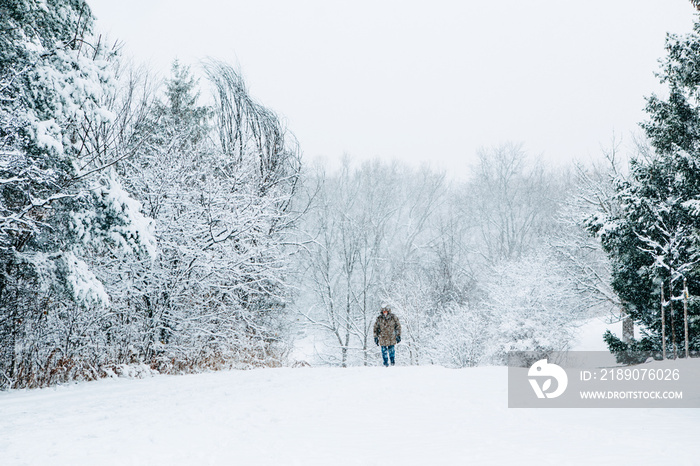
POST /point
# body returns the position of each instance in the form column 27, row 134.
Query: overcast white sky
column 423, row 81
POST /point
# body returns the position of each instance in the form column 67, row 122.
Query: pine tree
column 653, row 242
column 58, row 197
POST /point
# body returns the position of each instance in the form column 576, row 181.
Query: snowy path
column 322, row 416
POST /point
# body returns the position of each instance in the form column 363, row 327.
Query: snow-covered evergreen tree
column 57, row 196
column 653, row 240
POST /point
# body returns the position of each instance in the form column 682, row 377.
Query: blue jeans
column 390, row 350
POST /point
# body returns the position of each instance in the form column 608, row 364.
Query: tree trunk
column 674, row 346
column 685, row 317
column 627, row 329
column 663, row 324
column 347, row 327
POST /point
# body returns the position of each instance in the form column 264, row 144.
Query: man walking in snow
column 387, row 333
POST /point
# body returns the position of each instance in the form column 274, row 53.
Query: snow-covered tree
column 58, row 197
column 347, row 233
column 531, row 305
column 580, row 254
column 511, row 200
column 218, row 181
column 653, row 241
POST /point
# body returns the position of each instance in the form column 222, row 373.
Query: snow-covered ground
column 328, row 416
column 590, row 334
